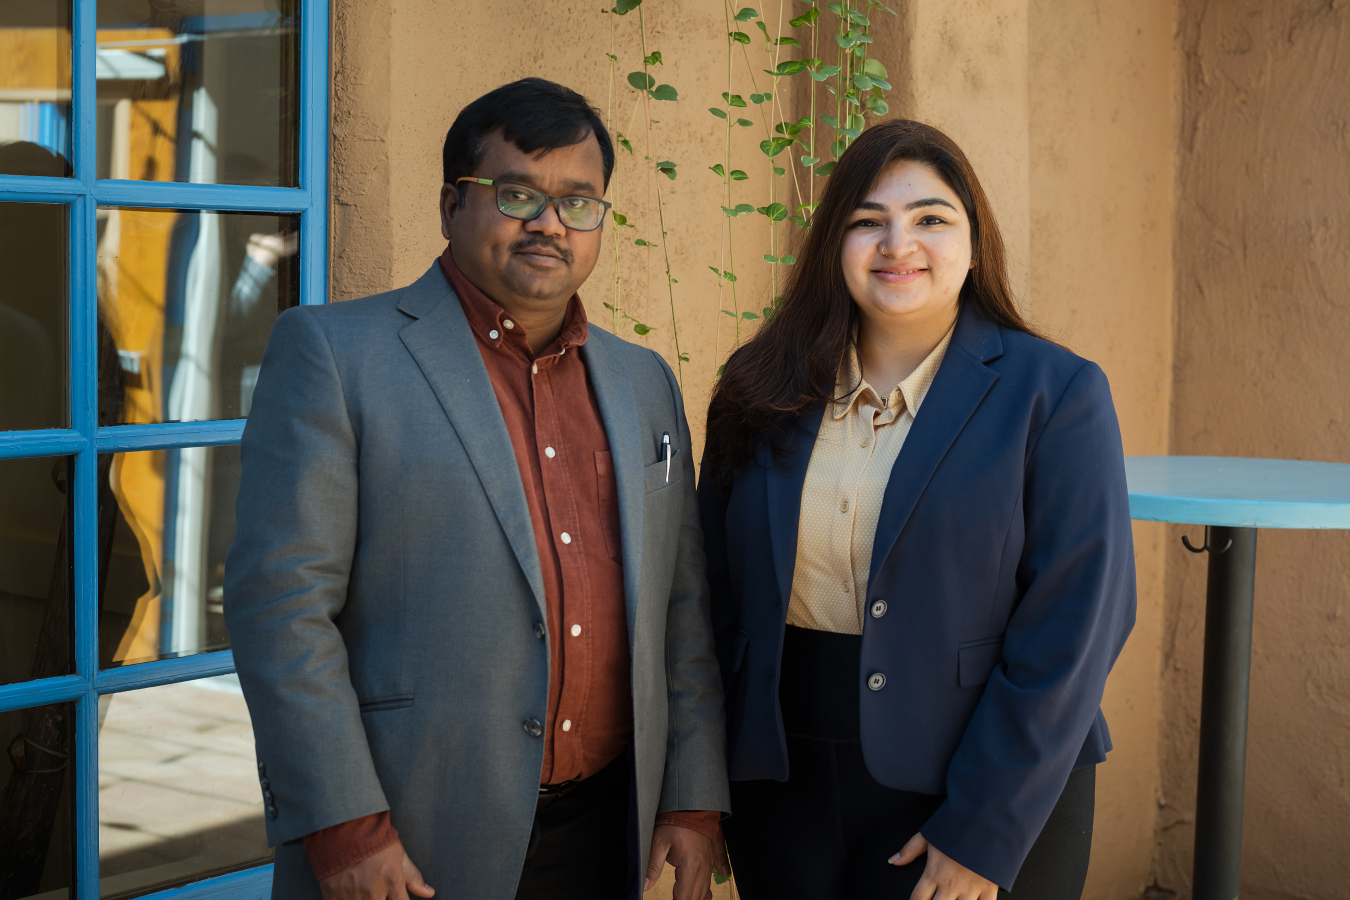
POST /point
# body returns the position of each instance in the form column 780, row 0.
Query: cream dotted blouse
column 859, row 440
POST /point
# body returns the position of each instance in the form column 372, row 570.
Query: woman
column 919, row 548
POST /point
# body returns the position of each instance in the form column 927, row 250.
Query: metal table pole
column 1223, row 713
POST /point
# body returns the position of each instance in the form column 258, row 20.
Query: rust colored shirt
column 562, row 451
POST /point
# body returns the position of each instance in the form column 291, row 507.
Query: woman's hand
column 943, row 877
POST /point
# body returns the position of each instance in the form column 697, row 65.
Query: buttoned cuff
column 342, row 846
column 705, row 822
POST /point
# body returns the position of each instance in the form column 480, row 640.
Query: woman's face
column 907, row 248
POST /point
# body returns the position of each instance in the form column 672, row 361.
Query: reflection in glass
column 202, row 91
column 36, row 584
column 35, row 88
column 36, row 859
column 164, row 545
column 178, row 794
column 33, row 305
column 188, row 299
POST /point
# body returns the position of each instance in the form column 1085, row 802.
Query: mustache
column 540, row 243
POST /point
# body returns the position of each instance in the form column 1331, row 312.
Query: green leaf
column 875, row 5
column 859, row 37
column 788, row 260
column 623, row 142
column 769, row 313
column 739, row 37
column 728, row 276
column 856, row 121
column 873, row 69
column 736, row 99
column 720, row 369
column 664, row 92
column 738, row 175
column 642, row 329
column 830, row 121
column 809, row 161
column 787, row 67
column 799, row 221
column 807, row 18
column 619, row 218
column 835, row 7
column 666, row 168
column 729, row 312
column 825, row 168
column 746, row 123
column 717, row 112
column 877, row 106
column 740, row 210
column 776, row 212
column 746, row 14
column 612, row 57
column 844, row 41
column 770, row 259
column 653, row 60
column 786, row 42
column 641, row 243
column 623, row 7
column 749, row 315
column 862, row 82
column 857, row 18
column 770, row 149
column 718, row 170
column 764, row 28
column 779, row 171
column 641, row 80
column 756, row 99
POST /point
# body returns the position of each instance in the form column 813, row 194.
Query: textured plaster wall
column 1263, row 310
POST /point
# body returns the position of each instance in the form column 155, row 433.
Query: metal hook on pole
column 1205, row 546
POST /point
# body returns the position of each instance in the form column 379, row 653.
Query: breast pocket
column 607, row 496
column 654, row 476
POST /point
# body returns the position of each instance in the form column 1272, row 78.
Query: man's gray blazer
column 383, row 591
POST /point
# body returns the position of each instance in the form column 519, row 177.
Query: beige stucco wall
column 1065, row 108
column 1263, row 310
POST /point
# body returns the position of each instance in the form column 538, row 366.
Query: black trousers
column 827, row 832
column 580, row 845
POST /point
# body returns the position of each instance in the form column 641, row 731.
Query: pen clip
column 665, row 452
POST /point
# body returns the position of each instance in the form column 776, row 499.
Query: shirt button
column 566, row 538
column 539, row 631
column 508, row 323
column 494, row 334
column 533, row 728
column 567, row 724
column 877, row 681
column 843, row 506
column 576, row 631
column 847, row 587
column 550, row 452
column 865, row 441
column 535, row 368
column 878, row 609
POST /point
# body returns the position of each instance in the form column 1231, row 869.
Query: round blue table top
column 1251, row 493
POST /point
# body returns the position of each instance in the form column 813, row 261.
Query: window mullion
column 314, row 90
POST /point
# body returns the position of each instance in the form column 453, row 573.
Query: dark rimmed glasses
column 517, row 201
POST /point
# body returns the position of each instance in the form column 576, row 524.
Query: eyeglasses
column 517, row 201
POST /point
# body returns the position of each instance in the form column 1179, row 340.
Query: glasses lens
column 580, row 213
column 520, row 202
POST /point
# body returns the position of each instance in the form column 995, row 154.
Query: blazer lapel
column 618, row 411
column 443, row 345
column 786, row 478
column 959, row 387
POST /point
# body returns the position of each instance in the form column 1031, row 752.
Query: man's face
column 526, row 267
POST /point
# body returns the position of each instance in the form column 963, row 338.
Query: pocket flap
column 976, row 660
column 381, row 704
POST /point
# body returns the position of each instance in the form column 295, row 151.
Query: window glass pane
column 35, row 87
column 202, row 91
column 178, row 794
column 188, row 299
column 33, row 313
column 36, row 585
column 164, row 545
column 36, row 844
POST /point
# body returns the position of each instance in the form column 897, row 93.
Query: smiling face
column 907, row 250
column 529, row 268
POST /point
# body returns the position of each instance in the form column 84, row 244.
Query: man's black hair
column 532, row 113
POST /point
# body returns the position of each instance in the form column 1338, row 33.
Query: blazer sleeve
column 1078, row 607
column 712, row 509
column 286, row 583
column 696, row 759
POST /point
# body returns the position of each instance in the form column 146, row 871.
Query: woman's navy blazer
column 1004, row 560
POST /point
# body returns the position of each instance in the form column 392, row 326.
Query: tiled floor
column 178, row 787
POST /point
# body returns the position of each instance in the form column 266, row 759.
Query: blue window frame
column 74, row 130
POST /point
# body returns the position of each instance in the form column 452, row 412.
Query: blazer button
column 272, row 812
column 878, row 609
column 533, row 728
column 539, row 630
column 877, row 681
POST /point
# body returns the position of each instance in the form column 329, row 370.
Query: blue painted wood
column 176, row 195
column 251, row 884
column 41, row 692
column 125, row 438
column 36, row 189
column 164, row 671
column 314, row 87
column 48, row 442
column 1240, row 492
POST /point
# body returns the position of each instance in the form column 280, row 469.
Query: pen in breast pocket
column 665, row 452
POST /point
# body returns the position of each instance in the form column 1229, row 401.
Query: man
column 467, row 596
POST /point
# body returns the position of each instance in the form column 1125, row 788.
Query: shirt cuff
column 705, row 822
column 342, row 846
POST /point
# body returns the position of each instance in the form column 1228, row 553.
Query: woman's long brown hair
column 793, row 360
